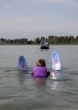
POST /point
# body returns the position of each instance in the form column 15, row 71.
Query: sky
column 36, row 18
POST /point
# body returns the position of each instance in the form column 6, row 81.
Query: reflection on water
column 23, row 71
column 39, row 82
column 55, row 85
column 56, row 75
column 21, row 77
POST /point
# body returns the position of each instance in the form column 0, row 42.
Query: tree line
column 52, row 40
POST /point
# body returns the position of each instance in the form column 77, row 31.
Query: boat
column 44, row 43
column 44, row 46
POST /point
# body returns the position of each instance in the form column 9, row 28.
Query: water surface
column 20, row 92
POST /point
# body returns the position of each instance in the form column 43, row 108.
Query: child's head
column 41, row 62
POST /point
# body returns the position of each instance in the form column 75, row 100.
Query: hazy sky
column 29, row 18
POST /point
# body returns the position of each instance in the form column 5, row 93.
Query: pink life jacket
column 39, row 72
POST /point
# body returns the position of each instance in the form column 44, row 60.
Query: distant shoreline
column 31, row 44
column 52, row 40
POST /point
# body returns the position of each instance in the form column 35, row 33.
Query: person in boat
column 40, row 70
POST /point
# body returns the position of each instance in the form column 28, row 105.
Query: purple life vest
column 39, row 72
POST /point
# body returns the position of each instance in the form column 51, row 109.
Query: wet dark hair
column 41, row 62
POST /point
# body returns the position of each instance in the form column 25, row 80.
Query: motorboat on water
column 44, row 45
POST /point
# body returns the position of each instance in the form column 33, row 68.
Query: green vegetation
column 52, row 40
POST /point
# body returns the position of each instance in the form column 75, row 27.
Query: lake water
column 20, row 92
